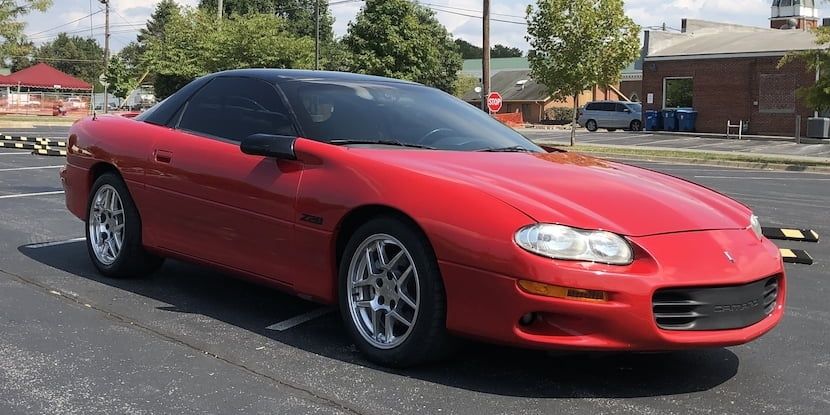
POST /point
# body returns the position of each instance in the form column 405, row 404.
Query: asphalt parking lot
column 193, row 340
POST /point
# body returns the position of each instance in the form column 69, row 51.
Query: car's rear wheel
column 636, row 125
column 113, row 231
column 391, row 294
column 591, row 125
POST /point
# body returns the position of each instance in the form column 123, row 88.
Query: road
column 192, row 340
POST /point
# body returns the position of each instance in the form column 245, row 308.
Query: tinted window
column 621, row 108
column 235, row 108
column 594, row 106
column 407, row 113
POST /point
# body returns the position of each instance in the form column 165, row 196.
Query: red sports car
column 421, row 216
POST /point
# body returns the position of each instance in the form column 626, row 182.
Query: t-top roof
column 44, row 76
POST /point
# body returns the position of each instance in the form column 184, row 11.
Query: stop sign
column 494, row 102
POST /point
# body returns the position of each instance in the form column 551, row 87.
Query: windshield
column 385, row 112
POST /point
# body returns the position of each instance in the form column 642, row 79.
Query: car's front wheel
column 391, row 294
column 636, row 125
column 113, row 231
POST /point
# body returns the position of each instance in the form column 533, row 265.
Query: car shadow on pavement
column 476, row 366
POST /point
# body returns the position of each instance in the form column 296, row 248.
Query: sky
column 457, row 15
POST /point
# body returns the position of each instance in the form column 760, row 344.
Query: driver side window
column 235, row 108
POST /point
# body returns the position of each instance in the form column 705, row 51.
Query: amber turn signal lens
column 556, row 291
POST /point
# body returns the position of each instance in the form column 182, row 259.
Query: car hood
column 579, row 191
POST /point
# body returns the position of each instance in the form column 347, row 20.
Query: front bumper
column 490, row 306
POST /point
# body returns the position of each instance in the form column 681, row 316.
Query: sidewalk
column 778, row 149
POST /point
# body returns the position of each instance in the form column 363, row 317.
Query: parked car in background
column 75, row 103
column 110, row 105
column 611, row 115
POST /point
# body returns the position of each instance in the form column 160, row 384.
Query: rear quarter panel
column 106, row 139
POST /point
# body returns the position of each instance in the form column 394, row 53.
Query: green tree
column 468, row 50
column 132, row 57
column 402, row 39
column 194, row 45
column 13, row 43
column 298, row 13
column 577, row 44
column 501, row 51
column 78, row 56
column 816, row 96
column 464, row 84
column 165, row 9
column 119, row 77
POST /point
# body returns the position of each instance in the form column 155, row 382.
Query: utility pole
column 106, row 4
column 221, row 10
column 485, row 64
column 317, row 34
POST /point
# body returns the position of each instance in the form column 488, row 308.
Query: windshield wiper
column 512, row 149
column 342, row 142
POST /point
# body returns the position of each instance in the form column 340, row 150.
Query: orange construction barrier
column 511, row 119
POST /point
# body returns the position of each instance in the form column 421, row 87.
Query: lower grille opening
column 715, row 308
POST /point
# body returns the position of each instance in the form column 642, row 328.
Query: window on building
column 776, row 94
column 678, row 92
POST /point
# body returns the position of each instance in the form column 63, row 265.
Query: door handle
column 163, row 156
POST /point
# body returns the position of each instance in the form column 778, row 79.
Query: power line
column 473, row 10
column 72, row 32
column 65, row 24
column 474, row 16
column 35, row 58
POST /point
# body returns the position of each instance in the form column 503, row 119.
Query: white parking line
column 302, row 318
column 55, row 243
column 31, row 194
column 32, row 168
column 28, row 153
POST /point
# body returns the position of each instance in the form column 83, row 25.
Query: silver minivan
column 611, row 115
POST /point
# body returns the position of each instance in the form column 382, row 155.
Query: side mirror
column 627, row 110
column 277, row 146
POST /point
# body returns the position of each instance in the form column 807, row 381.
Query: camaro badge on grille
column 729, row 256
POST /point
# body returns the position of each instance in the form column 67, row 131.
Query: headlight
column 563, row 242
column 755, row 225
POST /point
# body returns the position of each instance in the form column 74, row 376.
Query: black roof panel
column 284, row 75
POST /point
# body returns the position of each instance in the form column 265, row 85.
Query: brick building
column 730, row 73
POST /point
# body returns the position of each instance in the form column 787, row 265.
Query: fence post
column 798, row 129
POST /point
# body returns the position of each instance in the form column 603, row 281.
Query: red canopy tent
column 44, row 76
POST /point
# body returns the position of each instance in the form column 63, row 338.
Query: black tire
column 591, row 125
column 636, row 125
column 132, row 260
column 428, row 340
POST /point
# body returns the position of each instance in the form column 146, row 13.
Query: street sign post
column 494, row 102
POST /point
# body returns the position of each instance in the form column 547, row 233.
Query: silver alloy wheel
column 384, row 291
column 106, row 224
